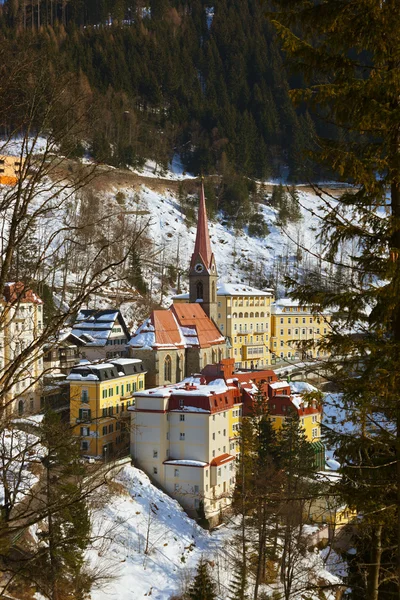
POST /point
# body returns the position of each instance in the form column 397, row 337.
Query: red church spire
column 202, row 247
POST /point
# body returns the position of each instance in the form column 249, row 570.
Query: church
column 176, row 342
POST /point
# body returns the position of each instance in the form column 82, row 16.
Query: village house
column 103, row 331
column 100, row 394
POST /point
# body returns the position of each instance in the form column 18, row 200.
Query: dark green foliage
column 257, row 226
column 164, row 83
column 135, row 276
column 349, row 54
column 203, row 587
column 287, row 204
column 58, row 566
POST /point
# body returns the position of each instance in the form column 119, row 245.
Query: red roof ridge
column 221, row 459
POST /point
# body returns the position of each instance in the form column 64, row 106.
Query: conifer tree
column 350, row 54
column 203, row 586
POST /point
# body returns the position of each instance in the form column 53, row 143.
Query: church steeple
column 202, row 246
column 203, row 270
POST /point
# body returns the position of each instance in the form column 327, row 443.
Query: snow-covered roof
column 278, row 384
column 95, row 326
column 238, row 289
column 186, row 463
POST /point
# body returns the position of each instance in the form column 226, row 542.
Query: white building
column 21, row 361
column 185, row 436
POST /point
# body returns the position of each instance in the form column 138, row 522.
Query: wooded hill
column 169, row 76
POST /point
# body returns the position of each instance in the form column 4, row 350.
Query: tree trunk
column 375, row 566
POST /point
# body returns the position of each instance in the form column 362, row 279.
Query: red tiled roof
column 220, row 460
column 166, row 329
column 16, row 292
column 192, row 315
column 202, row 247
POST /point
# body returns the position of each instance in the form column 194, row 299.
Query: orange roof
column 220, row 460
column 17, row 292
column 202, row 246
column 166, row 329
column 192, row 315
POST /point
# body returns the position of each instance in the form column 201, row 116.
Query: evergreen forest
column 166, row 78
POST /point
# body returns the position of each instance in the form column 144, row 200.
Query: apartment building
column 100, row 395
column 294, row 325
column 21, row 325
column 10, row 169
column 185, row 436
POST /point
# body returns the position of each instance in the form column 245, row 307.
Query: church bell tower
column 203, row 270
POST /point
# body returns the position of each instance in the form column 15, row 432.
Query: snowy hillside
column 140, row 516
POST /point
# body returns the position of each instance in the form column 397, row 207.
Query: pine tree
column 203, row 586
column 350, row 55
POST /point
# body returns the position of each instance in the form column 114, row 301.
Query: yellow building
column 244, row 318
column 100, row 395
column 292, row 325
column 10, row 169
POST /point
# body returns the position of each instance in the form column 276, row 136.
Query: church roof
column 182, row 326
column 192, row 317
column 202, row 246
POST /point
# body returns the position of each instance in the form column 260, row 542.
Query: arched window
column 220, row 356
column 257, row 315
column 261, row 314
column 21, row 407
column 246, row 315
column 240, row 315
column 167, row 368
column 214, row 357
column 199, row 290
column 204, row 359
column 234, row 316
column 251, row 315
column 213, row 292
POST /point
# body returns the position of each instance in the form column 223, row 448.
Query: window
column 128, row 387
column 181, row 436
column 105, row 430
column 167, row 368
column 213, row 436
column 110, row 392
column 84, row 445
column 315, row 432
column 196, row 503
column 219, row 472
column 104, row 412
column 111, row 428
column 85, row 431
column 213, row 453
column 281, row 320
column 181, row 417
column 110, row 411
column 84, row 396
column 104, row 394
column 281, row 331
column 176, row 472
column 84, row 414
column 196, row 489
column 122, row 389
column 206, row 473
column 155, row 470
column 289, row 332
column 155, row 453
column 199, row 290
column 224, row 431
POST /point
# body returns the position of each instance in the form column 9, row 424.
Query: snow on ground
column 237, row 254
column 176, row 544
column 175, row 170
